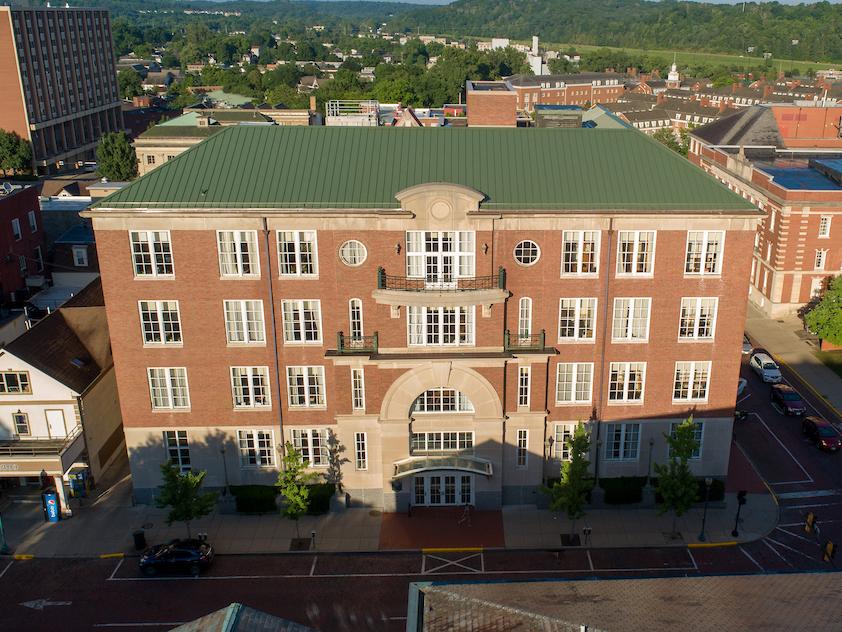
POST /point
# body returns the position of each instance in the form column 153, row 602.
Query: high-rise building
column 426, row 313
column 59, row 82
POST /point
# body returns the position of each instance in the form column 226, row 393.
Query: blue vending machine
column 51, row 506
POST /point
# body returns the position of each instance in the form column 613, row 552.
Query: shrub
column 624, row 490
column 319, row 499
column 717, row 491
column 255, row 498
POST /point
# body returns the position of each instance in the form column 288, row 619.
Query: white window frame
column 820, row 260
column 293, row 313
column 314, row 453
column 434, row 441
column 351, row 248
column 521, row 248
column 313, row 384
column 437, row 397
column 355, row 319
column 170, row 377
column 562, row 435
column 825, row 222
column 248, row 392
column 627, row 313
column 20, row 422
column 524, row 384
column 625, row 448
column 177, row 445
column 420, row 327
column 577, row 316
column 705, row 243
column 463, row 255
column 358, row 389
column 699, row 435
column 360, row 451
column 524, row 317
column 522, row 449
column 261, row 443
column 238, row 257
column 578, row 369
column 23, row 383
column 693, row 368
column 16, row 231
column 80, row 261
column 635, row 253
column 299, row 238
column 694, row 304
column 240, row 308
column 33, row 221
column 158, row 247
column 626, row 373
column 577, row 237
column 159, row 323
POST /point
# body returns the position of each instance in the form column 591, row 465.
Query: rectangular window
column 635, row 252
column 704, row 252
column 297, row 253
column 622, row 441
column 698, row 434
column 440, row 256
column 80, row 256
column 691, row 382
column 150, row 159
column 824, row 226
column 160, row 322
column 302, row 321
column 357, row 389
column 33, row 221
column 360, row 451
column 626, row 382
column 168, row 388
column 178, row 450
column 306, row 386
column 573, row 383
column 576, row 319
column 39, row 259
column 23, row 265
column 15, row 382
column 151, row 253
column 441, row 441
column 442, row 400
column 21, row 421
column 238, row 253
column 580, row 252
column 631, row 319
column 250, row 386
column 433, row 326
column 244, row 322
column 16, row 229
column 523, row 386
column 821, row 259
column 312, row 443
column 256, row 448
column 698, row 318
column 522, row 447
column 562, row 441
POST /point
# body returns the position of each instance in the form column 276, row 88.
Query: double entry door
column 442, row 489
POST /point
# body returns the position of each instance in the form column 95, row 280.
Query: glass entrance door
column 443, row 489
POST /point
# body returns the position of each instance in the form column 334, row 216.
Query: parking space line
column 117, row 568
column 810, row 506
column 8, row 566
column 590, row 559
column 742, row 399
column 454, row 563
column 776, row 552
column 791, row 483
column 816, row 493
column 137, row 625
column 795, row 535
column 313, row 567
column 754, row 561
column 692, row 559
column 781, row 443
column 788, row 548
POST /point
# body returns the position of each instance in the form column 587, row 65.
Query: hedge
column 255, row 498
column 624, row 490
column 320, row 495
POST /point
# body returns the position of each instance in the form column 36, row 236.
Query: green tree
column 676, row 484
column 293, row 481
column 560, row 66
column 129, row 83
column 825, row 319
column 666, row 136
column 15, row 153
column 116, row 158
column 181, row 492
column 570, row 492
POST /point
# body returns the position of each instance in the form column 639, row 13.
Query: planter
column 826, row 345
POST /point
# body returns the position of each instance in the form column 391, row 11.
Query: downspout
column 598, row 407
column 505, row 370
column 274, row 330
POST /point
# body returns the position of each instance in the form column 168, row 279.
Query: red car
column 822, row 433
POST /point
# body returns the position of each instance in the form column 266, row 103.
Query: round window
column 527, row 252
column 352, row 252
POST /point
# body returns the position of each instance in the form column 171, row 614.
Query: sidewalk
column 782, row 337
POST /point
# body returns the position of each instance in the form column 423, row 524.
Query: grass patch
column 832, row 360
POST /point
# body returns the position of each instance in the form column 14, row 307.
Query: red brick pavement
column 440, row 527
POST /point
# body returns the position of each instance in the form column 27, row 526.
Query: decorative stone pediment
column 439, row 204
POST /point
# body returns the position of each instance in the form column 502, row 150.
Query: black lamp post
column 741, row 500
column 708, row 481
column 225, row 469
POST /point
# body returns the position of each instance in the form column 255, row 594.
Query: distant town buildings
column 21, row 244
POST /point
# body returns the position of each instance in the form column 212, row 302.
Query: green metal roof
column 188, row 118
column 357, row 167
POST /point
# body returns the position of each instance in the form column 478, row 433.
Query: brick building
column 21, row 242
column 436, row 309
column 785, row 159
column 585, row 88
column 490, row 104
column 60, row 83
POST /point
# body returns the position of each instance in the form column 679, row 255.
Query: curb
column 711, row 545
column 464, row 549
column 109, row 556
column 23, row 556
column 809, row 386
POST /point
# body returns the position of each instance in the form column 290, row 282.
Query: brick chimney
column 734, row 87
column 631, row 71
column 312, row 103
column 661, row 98
column 767, row 90
column 723, row 105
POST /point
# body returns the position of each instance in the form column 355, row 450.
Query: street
column 367, row 591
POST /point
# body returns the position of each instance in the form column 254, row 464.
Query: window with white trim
column 357, row 389
column 440, row 257
column 160, row 322
column 250, row 386
column 445, row 326
column 178, row 450
column 527, row 252
column 168, row 388
column 622, row 442
column 563, row 441
column 824, row 226
column 576, row 319
column 80, row 256
column 704, row 252
column 635, row 252
column 698, row 318
column 302, row 321
column 297, row 253
column 698, row 435
column 244, row 322
column 631, row 319
column 16, row 232
column 360, row 451
column 238, row 253
column 820, row 260
column 355, row 317
column 33, row 221
column 15, row 382
column 257, row 448
column 522, row 448
column 21, row 424
column 691, row 382
column 580, row 252
column 312, row 444
column 442, row 400
column 524, row 319
column 447, row 441
column 626, row 381
column 151, row 253
column 306, row 386
column 523, row 379
column 574, row 382
column 352, row 253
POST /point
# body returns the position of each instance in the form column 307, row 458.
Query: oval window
column 527, row 252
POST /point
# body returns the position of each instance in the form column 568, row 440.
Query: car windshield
column 826, row 431
column 791, row 397
column 770, row 366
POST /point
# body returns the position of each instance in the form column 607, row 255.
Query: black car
column 179, row 556
column 821, row 433
column 788, row 399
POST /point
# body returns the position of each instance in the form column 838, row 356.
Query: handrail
column 361, row 344
column 33, row 449
column 450, row 283
column 528, row 342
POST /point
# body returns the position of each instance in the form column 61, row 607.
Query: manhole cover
column 374, row 513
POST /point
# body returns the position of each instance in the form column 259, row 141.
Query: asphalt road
column 368, row 591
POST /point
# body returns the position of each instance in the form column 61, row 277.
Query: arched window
column 442, row 400
column 524, row 319
column 355, row 313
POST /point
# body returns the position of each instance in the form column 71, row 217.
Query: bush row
column 259, row 499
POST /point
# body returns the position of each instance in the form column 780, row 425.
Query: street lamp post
column 225, row 469
column 741, row 500
column 708, row 481
column 648, row 492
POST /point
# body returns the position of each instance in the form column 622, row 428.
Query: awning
column 415, row 464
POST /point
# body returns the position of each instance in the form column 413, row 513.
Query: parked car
column 765, row 367
column 747, row 348
column 179, row 556
column 741, row 386
column 820, row 432
column 787, row 399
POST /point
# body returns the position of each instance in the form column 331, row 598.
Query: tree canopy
column 825, row 319
column 570, row 492
column 181, row 493
column 676, row 484
column 116, row 158
column 15, row 153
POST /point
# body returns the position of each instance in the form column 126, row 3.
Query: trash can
column 139, row 540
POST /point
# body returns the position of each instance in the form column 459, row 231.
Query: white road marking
column 775, row 551
column 453, row 563
column 795, row 535
column 692, row 559
column 8, row 566
column 811, row 506
column 590, row 560
column 801, row 524
column 742, row 399
column 754, row 561
column 791, row 483
column 788, row 548
column 40, row 604
column 811, row 494
column 139, row 625
column 117, row 568
column 313, row 567
column 791, row 455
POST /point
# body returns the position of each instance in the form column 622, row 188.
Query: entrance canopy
column 415, row 464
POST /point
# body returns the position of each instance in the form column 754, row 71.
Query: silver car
column 766, row 368
column 747, row 347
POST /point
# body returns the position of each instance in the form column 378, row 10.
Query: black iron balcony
column 441, row 284
column 528, row 342
column 349, row 345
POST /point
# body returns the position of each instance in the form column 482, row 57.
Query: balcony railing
column 529, row 342
column 446, row 284
column 347, row 345
column 39, row 446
